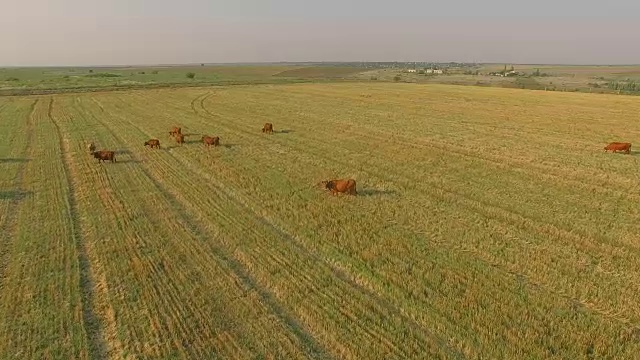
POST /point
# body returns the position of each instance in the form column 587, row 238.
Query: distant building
column 508, row 73
column 411, row 70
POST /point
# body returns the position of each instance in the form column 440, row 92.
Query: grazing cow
column 153, row 143
column 267, row 128
column 180, row 138
column 616, row 146
column 210, row 140
column 104, row 155
column 340, row 186
column 175, row 131
column 91, row 147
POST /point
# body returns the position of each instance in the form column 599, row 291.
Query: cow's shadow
column 286, row 131
column 373, row 192
column 632, row 153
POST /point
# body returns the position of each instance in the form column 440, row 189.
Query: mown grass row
column 41, row 295
column 519, row 232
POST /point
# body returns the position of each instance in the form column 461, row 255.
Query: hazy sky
column 118, row 32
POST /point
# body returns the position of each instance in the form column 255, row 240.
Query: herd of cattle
column 347, row 186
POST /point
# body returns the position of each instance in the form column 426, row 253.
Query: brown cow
column 340, row 186
column 91, row 147
column 267, row 128
column 175, row 131
column 104, row 155
column 153, row 143
column 616, row 146
column 210, row 140
column 180, row 138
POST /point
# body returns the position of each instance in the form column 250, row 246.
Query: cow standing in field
column 104, row 155
column 180, row 139
column 617, row 146
column 175, row 131
column 153, row 143
column 210, row 140
column 91, row 148
column 267, row 128
column 347, row 186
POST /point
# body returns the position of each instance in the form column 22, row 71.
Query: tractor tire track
column 247, row 283
column 92, row 324
column 9, row 226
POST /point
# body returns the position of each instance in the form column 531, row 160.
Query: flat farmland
column 489, row 224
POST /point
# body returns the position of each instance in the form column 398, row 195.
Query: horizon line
column 308, row 62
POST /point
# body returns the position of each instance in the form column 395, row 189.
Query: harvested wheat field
column 489, row 224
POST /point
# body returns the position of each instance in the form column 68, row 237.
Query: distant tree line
column 538, row 73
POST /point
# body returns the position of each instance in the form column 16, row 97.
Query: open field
column 29, row 81
column 489, row 224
